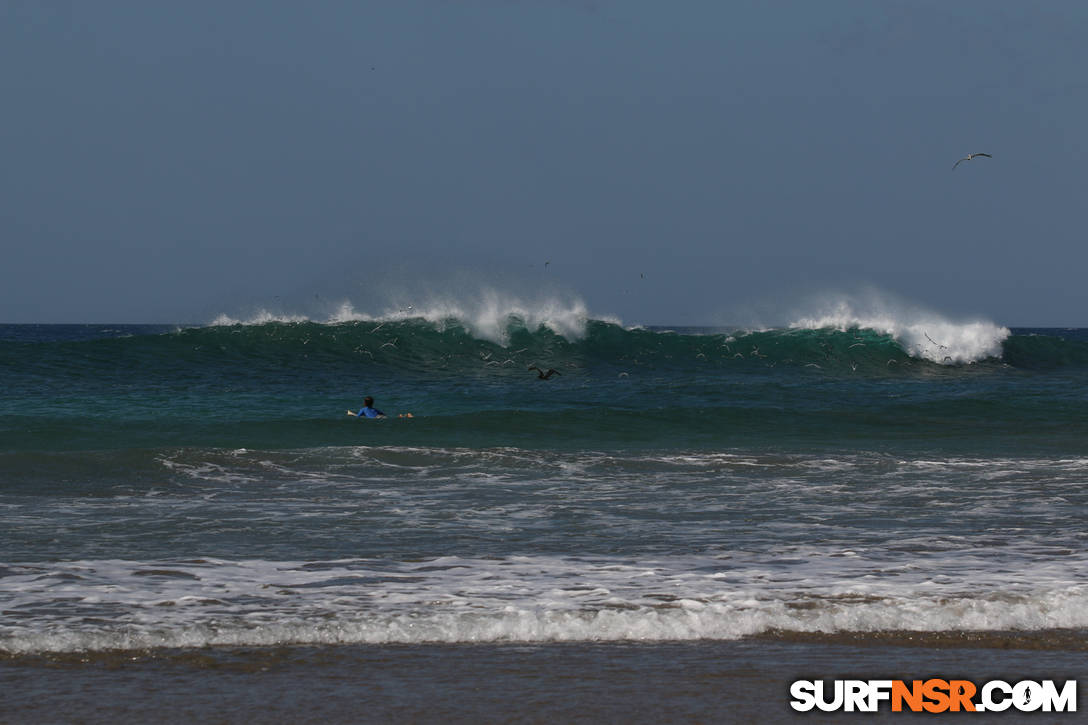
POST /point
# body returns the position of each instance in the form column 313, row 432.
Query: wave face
column 287, row 383
column 454, row 345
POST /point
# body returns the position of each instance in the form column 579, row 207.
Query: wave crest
column 492, row 316
column 922, row 334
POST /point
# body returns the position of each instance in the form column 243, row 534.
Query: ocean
column 672, row 528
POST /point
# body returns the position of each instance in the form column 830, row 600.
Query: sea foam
column 922, row 333
column 490, row 315
column 120, row 605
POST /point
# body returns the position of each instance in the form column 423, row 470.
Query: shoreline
column 1044, row 640
column 698, row 681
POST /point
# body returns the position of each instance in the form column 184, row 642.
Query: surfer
column 369, row 411
column 541, row 375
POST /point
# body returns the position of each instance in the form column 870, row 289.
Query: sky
column 689, row 163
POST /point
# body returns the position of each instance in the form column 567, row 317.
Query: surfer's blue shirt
column 369, row 412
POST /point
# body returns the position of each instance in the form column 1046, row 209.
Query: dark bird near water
column 541, row 375
column 968, row 157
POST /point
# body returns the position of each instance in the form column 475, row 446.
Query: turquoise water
column 286, row 385
column 180, row 487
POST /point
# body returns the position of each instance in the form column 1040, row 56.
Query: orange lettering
column 961, row 692
column 936, row 691
column 912, row 695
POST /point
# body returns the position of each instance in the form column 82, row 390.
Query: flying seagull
column 544, row 375
column 968, row 157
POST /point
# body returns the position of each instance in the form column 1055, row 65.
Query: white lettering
column 856, row 696
column 1065, row 701
column 1027, row 696
column 879, row 690
column 804, row 698
column 996, row 705
column 834, row 704
column 994, row 696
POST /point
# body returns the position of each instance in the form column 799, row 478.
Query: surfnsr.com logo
column 933, row 695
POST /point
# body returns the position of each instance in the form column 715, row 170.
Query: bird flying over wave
column 544, row 375
column 968, row 157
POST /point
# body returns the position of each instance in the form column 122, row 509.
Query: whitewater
column 192, row 499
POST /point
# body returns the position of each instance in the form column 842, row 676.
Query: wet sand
column 704, row 681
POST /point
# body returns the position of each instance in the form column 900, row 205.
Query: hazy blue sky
column 679, row 163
